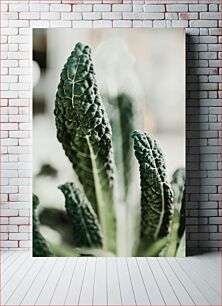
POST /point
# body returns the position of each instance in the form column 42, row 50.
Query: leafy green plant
column 156, row 193
column 85, row 225
column 85, row 132
column 40, row 247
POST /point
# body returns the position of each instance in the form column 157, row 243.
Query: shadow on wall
column 193, row 151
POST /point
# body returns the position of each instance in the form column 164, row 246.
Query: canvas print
column 109, row 142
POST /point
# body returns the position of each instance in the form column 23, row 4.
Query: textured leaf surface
column 85, row 133
column 121, row 117
column 85, row 226
column 40, row 247
column 156, row 193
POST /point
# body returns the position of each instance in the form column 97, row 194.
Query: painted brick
column 13, row 47
column 112, row 15
column 102, row 23
column 177, row 8
column 82, row 8
column 18, row 55
column 160, row 23
column 9, row 244
column 216, row 31
column 60, row 7
column 39, row 7
column 9, row 31
column 209, row 15
column 9, row 63
column 19, row 7
column 171, row 16
column 25, row 244
column 93, row 15
column 102, row 7
column 122, row 7
column 19, row 118
column 18, row 236
column 18, row 23
column 24, row 229
column 215, row 220
column 50, row 16
column 122, row 23
column 71, row 16
column 187, row 16
column 4, row 7
column 208, row 39
column 138, row 23
column 19, row 102
column 135, row 15
column 214, row 47
column 213, row 7
column 197, row 7
column 137, row 8
column 204, row 31
column 82, row 24
column 154, row 8
column 19, row 220
column 203, row 23
column 180, row 23
column 9, row 212
column 147, row 23
column 19, row 150
column 60, row 24
column 215, row 63
column 39, row 24
column 29, row 15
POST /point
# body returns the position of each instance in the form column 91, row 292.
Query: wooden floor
column 110, row 281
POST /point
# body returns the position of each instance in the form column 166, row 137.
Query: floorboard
column 13, row 269
column 139, row 288
column 73, row 294
column 153, row 290
column 86, row 294
column 168, row 292
column 182, row 295
column 213, row 279
column 110, row 281
column 100, row 283
column 62, row 287
column 185, row 278
column 207, row 291
column 113, row 284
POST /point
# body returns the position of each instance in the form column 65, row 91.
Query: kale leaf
column 85, row 226
column 85, row 133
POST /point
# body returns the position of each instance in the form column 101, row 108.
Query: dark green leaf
column 85, row 133
column 156, row 193
column 85, row 226
column 39, row 244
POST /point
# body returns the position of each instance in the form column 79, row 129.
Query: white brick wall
column 200, row 17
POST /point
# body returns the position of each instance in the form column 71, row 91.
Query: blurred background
column 147, row 64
